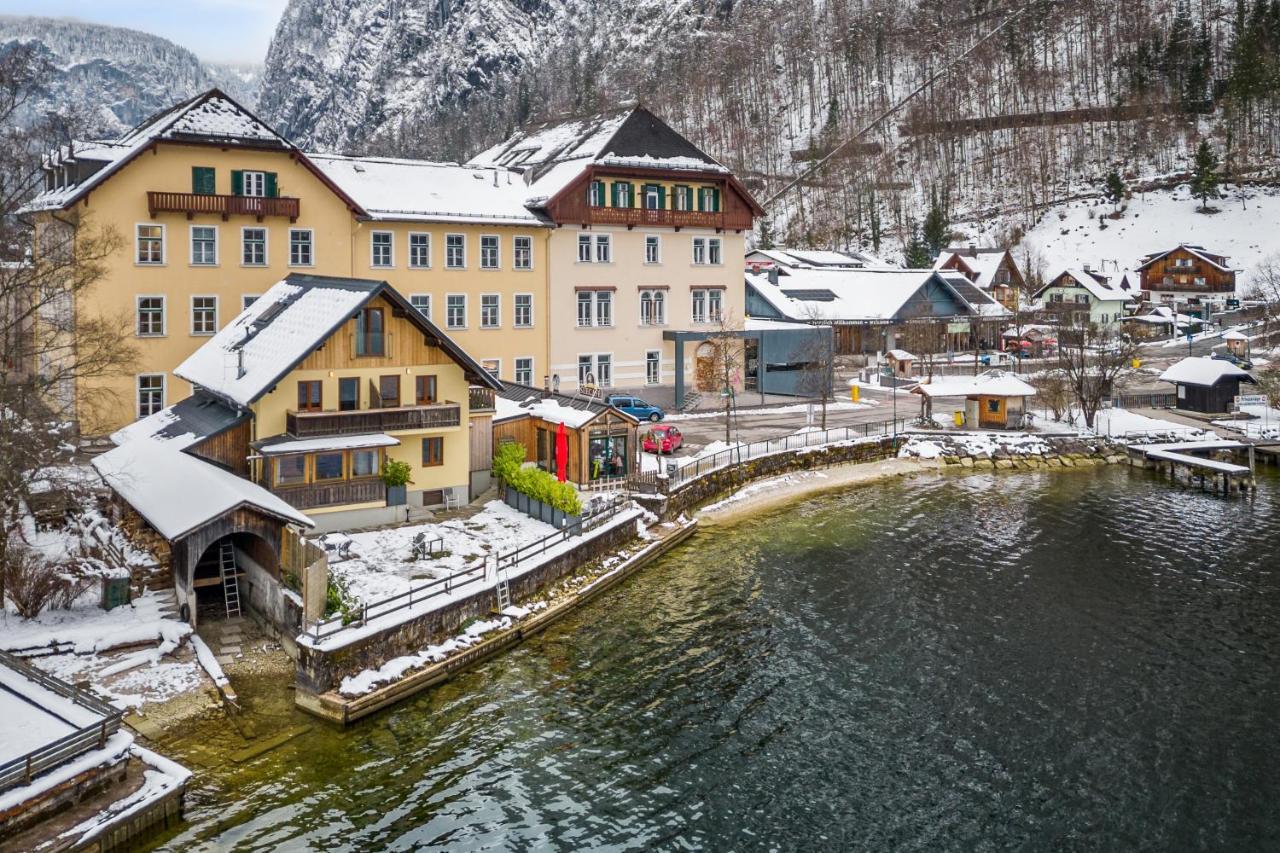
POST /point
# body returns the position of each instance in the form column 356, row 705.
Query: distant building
column 1184, row 273
column 759, row 260
column 992, row 270
column 1084, row 296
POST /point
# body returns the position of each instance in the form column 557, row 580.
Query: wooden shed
column 993, row 400
column 1207, row 385
column 603, row 441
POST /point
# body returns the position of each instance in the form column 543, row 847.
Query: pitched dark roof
column 202, row 415
column 644, row 134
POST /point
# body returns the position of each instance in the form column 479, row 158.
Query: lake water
column 1032, row 661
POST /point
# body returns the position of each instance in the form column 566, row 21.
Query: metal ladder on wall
column 230, row 583
column 504, row 590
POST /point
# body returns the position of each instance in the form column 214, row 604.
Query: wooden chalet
column 992, row 270
column 1186, row 271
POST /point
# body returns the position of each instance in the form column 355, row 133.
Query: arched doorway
column 225, row 573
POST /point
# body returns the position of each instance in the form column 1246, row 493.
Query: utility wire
column 897, row 106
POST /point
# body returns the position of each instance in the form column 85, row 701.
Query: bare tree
column 1264, row 286
column 727, row 364
column 52, row 347
column 1054, row 393
column 817, row 354
column 1091, row 359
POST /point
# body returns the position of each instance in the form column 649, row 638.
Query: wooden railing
column 333, row 494
column 222, row 205
column 21, row 770
column 669, row 218
column 360, row 421
column 480, row 399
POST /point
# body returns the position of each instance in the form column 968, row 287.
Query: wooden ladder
column 230, row 584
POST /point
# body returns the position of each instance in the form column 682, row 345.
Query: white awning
column 329, row 442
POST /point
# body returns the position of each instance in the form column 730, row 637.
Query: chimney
column 773, row 275
column 546, row 386
column 1088, row 267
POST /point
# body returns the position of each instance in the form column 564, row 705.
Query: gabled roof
column 1216, row 261
column 865, row 294
column 419, row 190
column 252, row 353
column 185, row 423
column 981, row 263
column 1198, row 370
column 992, row 383
column 1096, row 284
column 210, row 118
column 177, row 492
column 574, row 411
column 786, row 259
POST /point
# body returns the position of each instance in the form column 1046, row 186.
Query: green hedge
column 508, row 466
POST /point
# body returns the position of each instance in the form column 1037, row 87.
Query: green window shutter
column 697, row 198
column 237, row 182
column 715, row 199
column 662, row 197
column 272, row 191
column 202, row 182
column 613, row 194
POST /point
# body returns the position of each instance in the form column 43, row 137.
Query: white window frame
column 595, row 199
column 448, row 251
column 698, row 305
column 515, row 252
column 390, row 247
column 515, row 370
column 585, row 242
column 137, row 316
column 625, row 191
column 137, row 244
column 137, row 392
column 245, row 182
column 715, row 296
column 700, row 251
column 603, row 241
column 649, row 359
column 600, row 382
column 599, row 303
column 266, row 245
column 657, row 297
column 311, row 247
column 652, row 188
column 496, row 249
column 497, row 306
column 515, row 311
column 496, row 371
column 192, row 307
column 412, row 264
column 448, row 313
column 657, row 246
column 589, row 360
column 191, row 246
column 426, row 296
column 590, row 303
column 715, row 252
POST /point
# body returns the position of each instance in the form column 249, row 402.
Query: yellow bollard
column 1137, row 362
column 959, row 418
column 854, row 393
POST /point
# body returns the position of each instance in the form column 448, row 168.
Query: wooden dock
column 1203, row 463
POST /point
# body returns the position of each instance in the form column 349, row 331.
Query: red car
column 663, row 439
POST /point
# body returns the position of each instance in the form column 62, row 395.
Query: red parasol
column 562, row 453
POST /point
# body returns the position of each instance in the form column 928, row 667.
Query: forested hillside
column 1064, row 91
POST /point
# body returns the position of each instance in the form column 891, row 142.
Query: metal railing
column 453, row 582
column 24, row 768
column 1144, row 401
column 754, row 450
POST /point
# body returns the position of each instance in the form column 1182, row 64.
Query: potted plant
column 395, row 476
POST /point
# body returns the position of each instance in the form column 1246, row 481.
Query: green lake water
column 1047, row 661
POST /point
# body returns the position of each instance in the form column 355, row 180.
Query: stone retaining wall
column 321, row 669
column 1043, row 452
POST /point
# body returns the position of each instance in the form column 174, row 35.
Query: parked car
column 636, row 407
column 663, row 439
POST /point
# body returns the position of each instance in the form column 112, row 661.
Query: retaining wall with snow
column 1011, row 450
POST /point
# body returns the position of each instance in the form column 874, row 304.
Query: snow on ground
column 837, row 406
column 977, row 444
column 159, row 778
column 1264, row 423
column 1069, row 237
column 384, row 564
column 85, row 636
column 1120, row 423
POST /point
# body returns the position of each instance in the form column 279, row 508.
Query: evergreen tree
column 875, row 223
column 766, row 233
column 1204, row 177
column 916, row 253
column 937, row 227
column 1115, row 188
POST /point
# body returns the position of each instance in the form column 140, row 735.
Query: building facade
column 1081, row 297
column 1186, row 273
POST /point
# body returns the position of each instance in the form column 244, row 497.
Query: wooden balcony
column 336, row 493
column 480, row 399
column 361, row 421
column 221, row 205
column 633, row 216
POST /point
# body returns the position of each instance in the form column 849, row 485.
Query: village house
column 876, row 310
column 760, row 260
column 992, row 270
column 299, row 404
column 1207, row 385
column 1186, row 273
column 1082, row 296
column 602, row 441
column 649, row 233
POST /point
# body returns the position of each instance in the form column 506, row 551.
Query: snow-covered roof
column 211, row 117
column 574, row 411
column 1235, row 335
column 763, row 324
column 1016, row 332
column 1103, row 292
column 249, row 355
column 900, row 355
column 420, row 190
column 183, row 424
column 813, row 294
column 983, row 263
column 176, row 492
column 1197, row 251
column 1199, row 370
column 581, row 138
column 993, row 383
column 807, row 258
column 283, row 444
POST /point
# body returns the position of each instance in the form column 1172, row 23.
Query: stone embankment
column 1016, row 450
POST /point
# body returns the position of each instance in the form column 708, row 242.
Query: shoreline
column 762, row 495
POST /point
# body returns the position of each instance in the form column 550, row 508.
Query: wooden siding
column 406, row 345
column 1216, row 281
column 186, row 552
column 230, row 449
column 524, row 431
column 481, row 443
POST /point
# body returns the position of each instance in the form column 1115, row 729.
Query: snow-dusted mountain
column 110, row 78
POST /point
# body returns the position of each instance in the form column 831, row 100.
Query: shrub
column 30, row 581
column 508, row 460
column 396, row 473
column 508, row 465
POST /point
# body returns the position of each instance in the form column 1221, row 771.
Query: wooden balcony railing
column 333, row 494
column 221, row 205
column 359, row 421
column 669, row 218
column 1172, row 283
column 480, row 399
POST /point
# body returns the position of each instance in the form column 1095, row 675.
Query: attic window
column 811, row 295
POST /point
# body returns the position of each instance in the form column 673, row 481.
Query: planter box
column 397, row 495
column 535, row 508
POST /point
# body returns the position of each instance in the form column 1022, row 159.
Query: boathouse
column 1207, row 385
